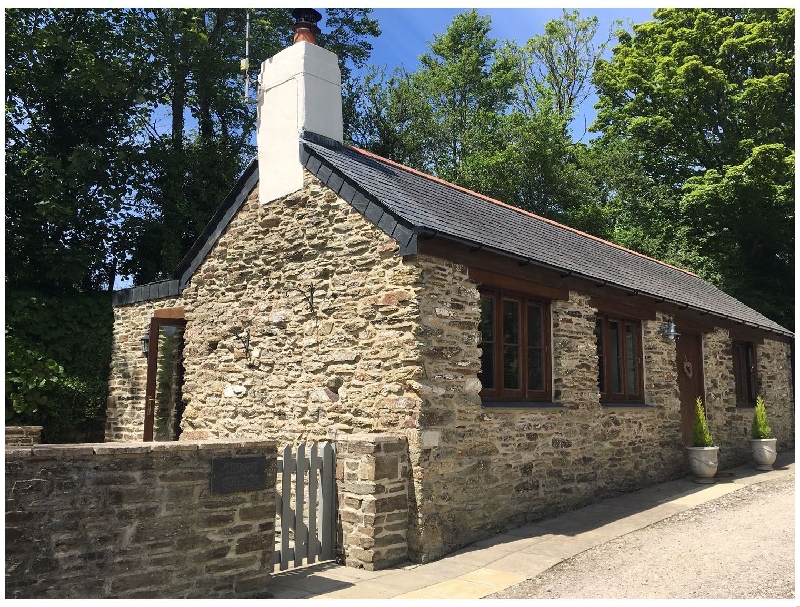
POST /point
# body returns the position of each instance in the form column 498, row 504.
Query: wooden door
column 163, row 398
column 689, row 353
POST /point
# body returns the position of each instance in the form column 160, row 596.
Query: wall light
column 145, row 339
column 667, row 330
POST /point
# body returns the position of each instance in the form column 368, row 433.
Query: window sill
column 520, row 405
column 745, row 405
column 626, row 406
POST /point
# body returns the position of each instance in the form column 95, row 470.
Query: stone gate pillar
column 372, row 476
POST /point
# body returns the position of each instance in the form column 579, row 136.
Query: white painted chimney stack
column 299, row 89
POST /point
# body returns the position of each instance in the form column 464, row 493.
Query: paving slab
column 407, row 581
column 526, row 564
column 370, row 589
column 707, row 494
column 452, row 589
column 493, row 577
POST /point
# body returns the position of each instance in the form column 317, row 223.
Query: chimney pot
column 305, row 26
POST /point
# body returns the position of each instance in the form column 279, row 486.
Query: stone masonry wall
column 135, row 520
column 478, row 470
column 340, row 364
column 729, row 424
column 23, row 435
column 372, row 477
column 641, row 445
column 724, row 417
column 774, row 360
column 127, row 381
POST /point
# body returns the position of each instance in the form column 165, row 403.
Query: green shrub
column 760, row 429
column 58, row 350
column 701, row 437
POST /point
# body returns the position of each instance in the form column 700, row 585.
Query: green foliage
column 31, row 380
column 702, row 102
column 57, row 356
column 701, row 437
column 483, row 115
column 760, row 429
column 72, row 112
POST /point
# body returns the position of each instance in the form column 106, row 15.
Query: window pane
column 511, row 367
column 487, row 366
column 535, row 369
column 614, row 358
column 751, row 373
column 601, row 376
column 631, row 355
column 534, row 326
column 486, row 326
column 510, row 321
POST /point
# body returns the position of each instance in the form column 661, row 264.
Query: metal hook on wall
column 310, row 297
column 245, row 341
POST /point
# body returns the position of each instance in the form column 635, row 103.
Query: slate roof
column 407, row 204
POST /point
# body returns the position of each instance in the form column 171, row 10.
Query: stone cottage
column 531, row 367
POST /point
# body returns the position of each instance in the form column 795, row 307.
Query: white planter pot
column 703, row 462
column 764, row 452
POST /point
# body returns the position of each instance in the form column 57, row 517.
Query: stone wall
column 135, row 521
column 484, row 469
column 729, row 424
column 641, row 445
column 774, row 359
column 23, row 435
column 340, row 363
column 372, row 476
column 127, row 381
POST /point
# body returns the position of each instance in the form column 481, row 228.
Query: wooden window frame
column 746, row 381
column 499, row 393
column 608, row 397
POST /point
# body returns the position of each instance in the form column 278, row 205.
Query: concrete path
column 506, row 559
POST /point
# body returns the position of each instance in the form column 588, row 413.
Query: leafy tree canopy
column 703, row 100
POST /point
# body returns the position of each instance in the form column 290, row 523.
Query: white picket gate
column 306, row 510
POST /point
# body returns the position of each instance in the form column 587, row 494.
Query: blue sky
column 406, row 33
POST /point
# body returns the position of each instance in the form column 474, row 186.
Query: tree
column 73, row 79
column 441, row 117
column 125, row 129
column 192, row 166
column 704, row 100
column 557, row 66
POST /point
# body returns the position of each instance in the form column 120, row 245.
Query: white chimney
column 299, row 89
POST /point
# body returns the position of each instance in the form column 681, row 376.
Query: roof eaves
column 428, row 234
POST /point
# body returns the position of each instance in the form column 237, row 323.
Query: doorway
column 689, row 355
column 163, row 397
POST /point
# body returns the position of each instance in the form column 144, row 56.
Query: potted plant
column 761, row 441
column 702, row 454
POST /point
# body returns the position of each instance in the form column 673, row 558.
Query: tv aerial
column 245, row 64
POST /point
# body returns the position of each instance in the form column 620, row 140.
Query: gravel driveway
column 739, row 546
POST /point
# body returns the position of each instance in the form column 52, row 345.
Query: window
column 515, row 344
column 744, row 372
column 619, row 354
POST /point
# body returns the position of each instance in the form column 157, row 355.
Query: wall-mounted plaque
column 238, row 474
